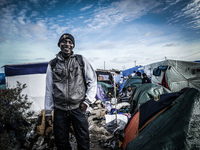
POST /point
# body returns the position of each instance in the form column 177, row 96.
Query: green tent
column 134, row 82
column 105, row 86
column 176, row 128
column 145, row 92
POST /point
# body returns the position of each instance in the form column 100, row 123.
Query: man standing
column 71, row 85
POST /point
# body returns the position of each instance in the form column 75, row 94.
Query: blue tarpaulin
column 118, row 78
column 2, row 78
column 122, row 85
column 129, row 71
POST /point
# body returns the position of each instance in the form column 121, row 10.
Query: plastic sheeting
column 104, row 76
column 35, row 89
column 100, row 94
column 179, row 74
column 129, row 71
column 131, row 130
column 134, row 81
column 147, row 112
column 2, row 78
column 34, row 76
column 105, row 86
column 24, row 69
column 110, row 118
column 176, row 128
column 147, row 91
column 2, row 81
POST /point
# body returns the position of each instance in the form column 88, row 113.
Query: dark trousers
column 62, row 123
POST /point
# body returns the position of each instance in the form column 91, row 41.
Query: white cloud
column 86, row 8
column 78, row 1
column 4, row 2
column 81, row 17
column 61, row 16
column 189, row 15
column 171, row 45
column 34, row 14
column 102, row 37
column 120, row 11
column 193, row 11
column 53, row 2
column 171, row 3
column 17, row 23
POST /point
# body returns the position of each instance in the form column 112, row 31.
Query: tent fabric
column 122, row 85
column 145, row 92
column 175, row 128
column 179, row 74
column 164, row 82
column 117, row 78
column 2, row 87
column 146, row 113
column 129, row 71
column 35, row 89
column 105, row 86
column 100, row 94
column 24, row 69
column 131, row 130
column 134, row 81
column 2, row 79
column 151, row 107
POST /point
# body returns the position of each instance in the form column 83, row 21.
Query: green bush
column 14, row 112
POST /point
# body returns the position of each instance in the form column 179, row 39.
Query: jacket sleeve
column 48, row 103
column 91, row 82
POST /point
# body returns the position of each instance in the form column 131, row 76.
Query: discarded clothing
column 157, row 71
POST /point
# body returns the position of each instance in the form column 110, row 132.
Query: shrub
column 14, row 112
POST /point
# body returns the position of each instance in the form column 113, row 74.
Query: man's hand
column 83, row 107
column 48, row 120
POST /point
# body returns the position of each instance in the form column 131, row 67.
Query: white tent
column 178, row 74
column 34, row 76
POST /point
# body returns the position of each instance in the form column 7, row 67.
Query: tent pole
column 115, row 97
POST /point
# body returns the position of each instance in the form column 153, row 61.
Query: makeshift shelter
column 105, row 86
column 2, row 81
column 174, row 74
column 34, row 76
column 129, row 71
column 170, row 122
column 134, row 82
column 145, row 92
column 100, row 93
column 104, row 76
column 118, row 78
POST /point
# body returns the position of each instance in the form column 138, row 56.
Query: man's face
column 129, row 88
column 66, row 46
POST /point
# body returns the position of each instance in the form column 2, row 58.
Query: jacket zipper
column 67, row 81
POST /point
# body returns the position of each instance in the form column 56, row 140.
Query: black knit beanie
column 66, row 36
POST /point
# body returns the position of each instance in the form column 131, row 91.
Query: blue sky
column 120, row 33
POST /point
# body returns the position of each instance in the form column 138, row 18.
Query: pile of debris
column 160, row 119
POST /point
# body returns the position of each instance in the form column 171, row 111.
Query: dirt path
column 97, row 130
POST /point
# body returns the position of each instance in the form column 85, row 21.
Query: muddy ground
column 97, row 131
column 98, row 134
